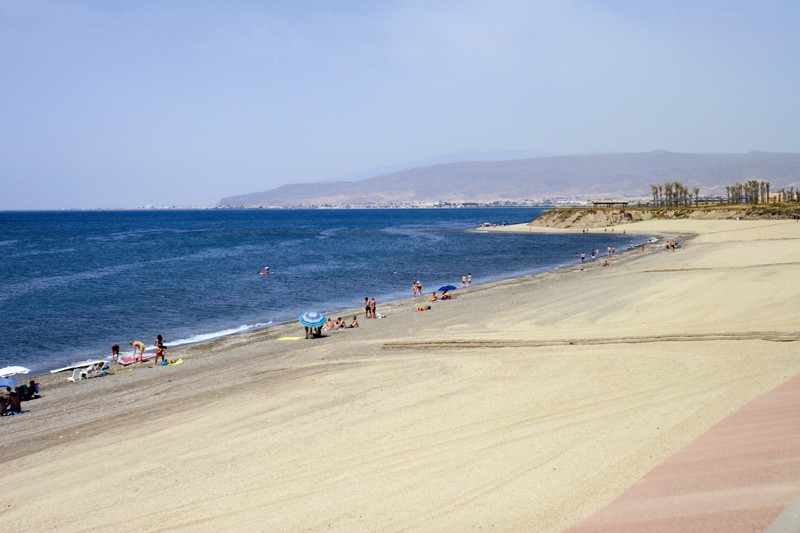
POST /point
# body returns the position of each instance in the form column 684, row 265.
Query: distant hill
column 586, row 177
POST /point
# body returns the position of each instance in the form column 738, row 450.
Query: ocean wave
column 204, row 337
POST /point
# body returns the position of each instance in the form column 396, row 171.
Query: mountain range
column 570, row 177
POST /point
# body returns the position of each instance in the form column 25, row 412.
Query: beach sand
column 528, row 404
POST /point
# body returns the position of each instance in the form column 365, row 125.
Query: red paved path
column 737, row 477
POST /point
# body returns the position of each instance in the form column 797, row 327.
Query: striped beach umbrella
column 312, row 319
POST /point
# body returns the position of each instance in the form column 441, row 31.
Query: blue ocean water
column 74, row 283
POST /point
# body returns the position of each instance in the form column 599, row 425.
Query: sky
column 119, row 104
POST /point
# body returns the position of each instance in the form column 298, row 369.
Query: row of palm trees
column 674, row 194
column 787, row 195
column 749, row 192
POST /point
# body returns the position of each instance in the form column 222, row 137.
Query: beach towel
column 290, row 338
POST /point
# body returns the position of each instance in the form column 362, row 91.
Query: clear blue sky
column 123, row 104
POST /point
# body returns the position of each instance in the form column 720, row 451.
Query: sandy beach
column 528, row 404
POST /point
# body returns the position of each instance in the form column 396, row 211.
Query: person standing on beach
column 464, row 281
column 367, row 307
column 138, row 345
column 373, row 308
column 469, row 279
column 159, row 344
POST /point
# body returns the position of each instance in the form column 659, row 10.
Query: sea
column 72, row 283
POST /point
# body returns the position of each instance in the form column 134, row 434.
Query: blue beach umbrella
column 7, row 382
column 447, row 288
column 312, row 319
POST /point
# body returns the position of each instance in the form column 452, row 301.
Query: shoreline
column 266, row 332
column 40, row 374
column 453, row 418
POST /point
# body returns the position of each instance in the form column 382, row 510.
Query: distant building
column 606, row 204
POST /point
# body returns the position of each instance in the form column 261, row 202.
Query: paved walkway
column 739, row 476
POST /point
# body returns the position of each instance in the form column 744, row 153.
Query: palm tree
column 696, row 191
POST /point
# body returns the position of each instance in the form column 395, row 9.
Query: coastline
column 289, row 328
column 457, row 417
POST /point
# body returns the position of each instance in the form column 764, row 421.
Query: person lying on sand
column 423, row 308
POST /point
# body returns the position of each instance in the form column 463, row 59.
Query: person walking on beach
column 373, row 305
column 138, row 345
column 367, row 307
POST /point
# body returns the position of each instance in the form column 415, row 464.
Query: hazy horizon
column 118, row 105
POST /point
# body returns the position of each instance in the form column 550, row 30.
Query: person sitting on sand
column 340, row 324
column 13, row 406
column 31, row 392
column 354, row 323
column 138, row 345
column 446, row 295
column 606, row 263
column 329, row 325
column 423, row 308
column 433, row 297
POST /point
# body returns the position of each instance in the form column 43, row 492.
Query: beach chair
column 77, row 375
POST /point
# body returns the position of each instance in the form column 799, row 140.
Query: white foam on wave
column 203, row 337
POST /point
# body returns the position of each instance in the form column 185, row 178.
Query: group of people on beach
column 340, row 324
column 11, row 401
column 595, row 253
column 370, row 307
column 139, row 349
column 416, row 288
